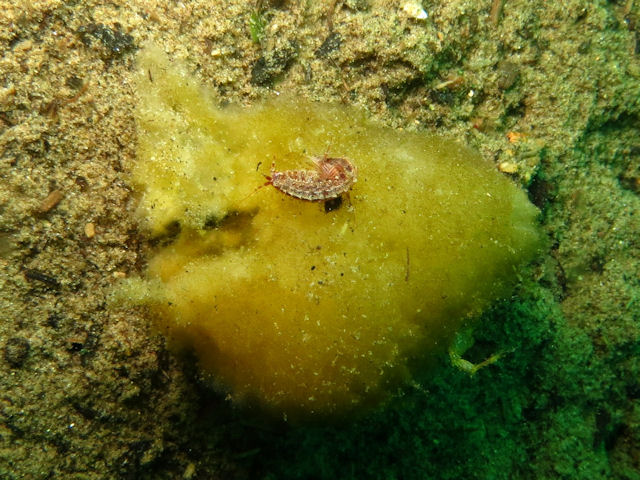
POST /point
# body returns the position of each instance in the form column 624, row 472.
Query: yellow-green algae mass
column 303, row 311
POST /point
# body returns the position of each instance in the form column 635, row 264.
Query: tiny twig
column 496, row 11
column 406, row 275
column 628, row 7
column 332, row 8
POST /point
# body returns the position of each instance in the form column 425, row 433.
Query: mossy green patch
column 304, row 310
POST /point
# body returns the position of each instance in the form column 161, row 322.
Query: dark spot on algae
column 342, row 335
column 332, row 204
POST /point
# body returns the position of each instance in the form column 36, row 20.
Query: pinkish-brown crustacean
column 332, row 177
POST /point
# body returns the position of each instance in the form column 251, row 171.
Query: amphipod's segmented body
column 332, row 177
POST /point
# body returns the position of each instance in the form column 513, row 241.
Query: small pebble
column 90, row 230
column 413, row 9
column 16, row 351
column 508, row 167
column 50, row 201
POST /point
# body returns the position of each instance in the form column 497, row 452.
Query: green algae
column 301, row 309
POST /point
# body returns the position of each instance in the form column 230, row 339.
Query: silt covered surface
column 549, row 93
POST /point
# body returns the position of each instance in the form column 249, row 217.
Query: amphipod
column 332, row 177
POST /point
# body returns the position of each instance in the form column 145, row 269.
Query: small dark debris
column 234, row 220
column 16, row 351
column 313, row 267
column 597, row 263
column 117, row 42
column 6, row 117
column 633, row 390
column 211, row 222
column 50, row 109
column 38, row 276
column 581, row 15
column 15, row 40
column 357, row 5
column 261, row 74
column 53, row 320
column 265, row 4
column 133, row 455
column 247, row 454
column 607, row 430
column 480, row 96
column 584, row 47
column 171, row 232
column 395, row 95
column 308, row 73
column 271, row 65
column 74, row 82
column 516, row 109
column 82, row 183
column 508, row 74
column 87, row 347
column 332, row 204
column 630, row 182
column 62, row 444
column 84, row 408
column 561, row 275
column 541, row 192
column 330, row 44
column 443, row 97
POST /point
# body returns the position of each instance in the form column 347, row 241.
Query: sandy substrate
column 549, row 92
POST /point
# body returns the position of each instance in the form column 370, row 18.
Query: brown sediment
column 94, row 395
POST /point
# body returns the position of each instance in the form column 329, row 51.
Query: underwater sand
column 549, row 93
